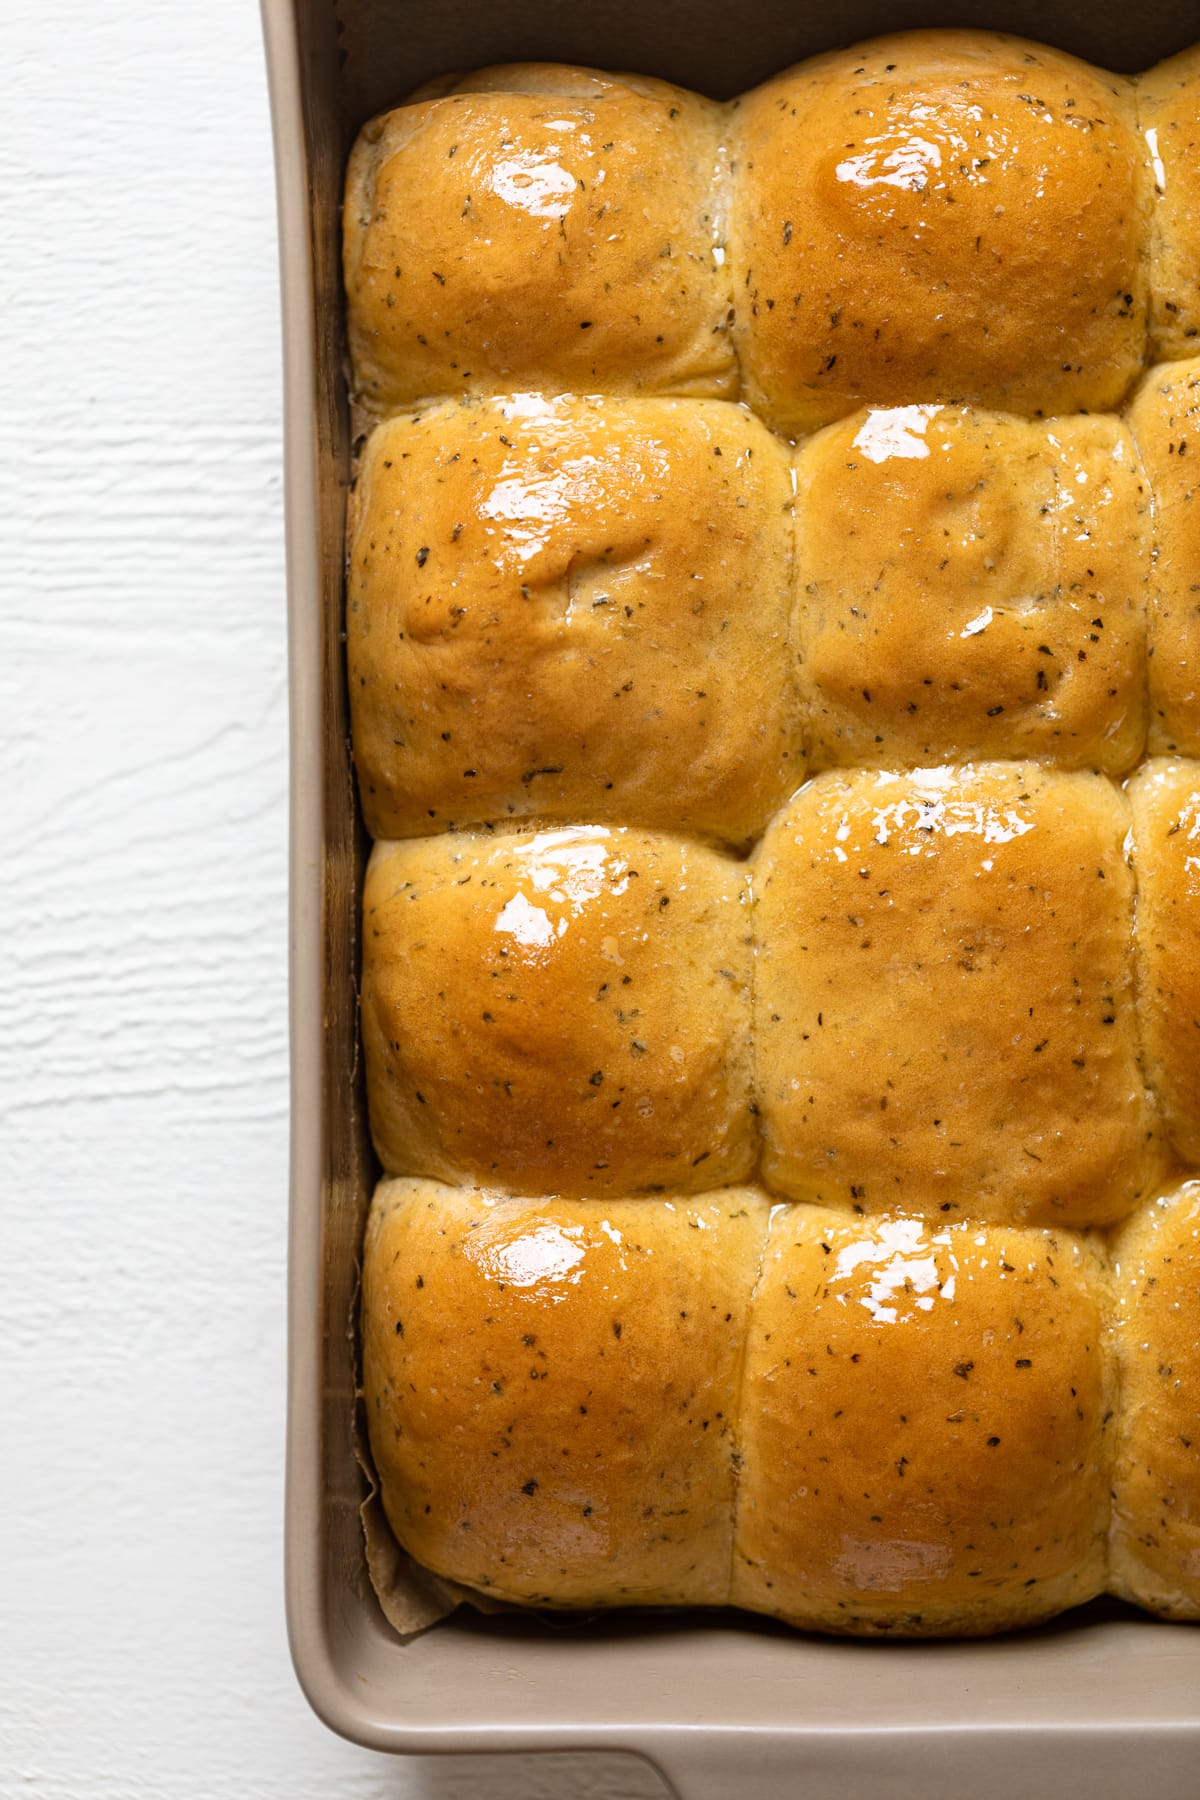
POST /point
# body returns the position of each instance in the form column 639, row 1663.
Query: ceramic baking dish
column 1101, row 1703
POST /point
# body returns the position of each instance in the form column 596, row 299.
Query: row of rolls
column 859, row 1426
column 960, row 993
column 934, row 215
column 654, row 612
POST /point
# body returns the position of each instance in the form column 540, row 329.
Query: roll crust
column 538, row 227
column 551, row 1388
column 573, row 609
column 559, row 1012
column 1165, row 798
column 923, row 1427
column 1165, row 418
column 1156, row 1486
column 944, row 999
column 1168, row 103
column 938, row 215
column 971, row 586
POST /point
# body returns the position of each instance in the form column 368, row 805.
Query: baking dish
column 1097, row 1703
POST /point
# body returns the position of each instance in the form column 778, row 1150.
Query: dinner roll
column 1166, row 823
column 551, row 1385
column 1156, row 1490
column 922, row 1427
column 944, row 997
column 538, row 227
column 939, row 215
column 559, row 1012
column 1168, row 100
column 973, row 585
column 1165, row 418
column 574, row 609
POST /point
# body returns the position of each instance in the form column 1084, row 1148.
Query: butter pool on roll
column 1165, row 420
column 944, row 997
column 536, row 226
column 559, row 1012
column 939, row 215
column 1156, row 1487
column 1165, row 797
column 923, row 1427
column 551, row 1386
column 972, row 585
column 573, row 608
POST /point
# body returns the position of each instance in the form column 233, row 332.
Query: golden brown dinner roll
column 538, row 227
column 551, row 1385
column 575, row 609
column 1156, row 1492
column 559, row 1012
column 944, row 1001
column 1165, row 418
column 1166, row 825
column 922, row 1427
column 940, row 215
column 972, row 585
column 1168, row 100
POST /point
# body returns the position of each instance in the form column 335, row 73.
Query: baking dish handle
column 833, row 1763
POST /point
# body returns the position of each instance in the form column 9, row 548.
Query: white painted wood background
column 143, row 1077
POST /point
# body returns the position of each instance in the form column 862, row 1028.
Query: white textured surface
column 143, row 1079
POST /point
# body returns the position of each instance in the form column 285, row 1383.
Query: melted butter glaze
column 562, row 1011
column 532, row 193
column 1156, row 1489
column 924, row 1426
column 1016, row 1309
column 571, row 607
column 972, row 585
column 923, row 152
column 1169, row 114
column 1165, row 797
column 938, row 215
column 552, row 1387
column 944, row 998
column 534, row 182
column 1165, row 420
